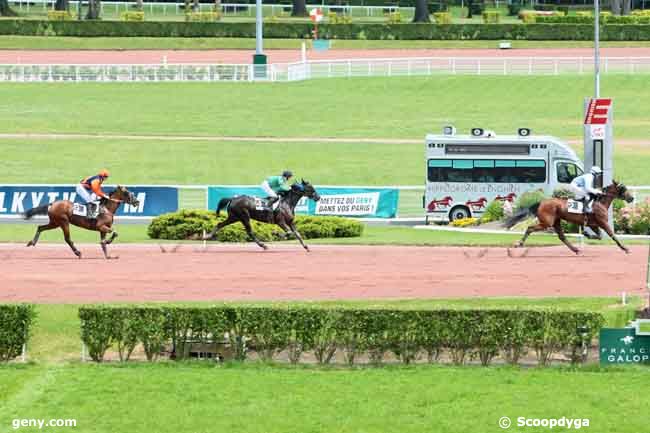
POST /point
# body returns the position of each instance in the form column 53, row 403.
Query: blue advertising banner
column 16, row 199
column 337, row 201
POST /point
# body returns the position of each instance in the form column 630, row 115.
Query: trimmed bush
column 202, row 16
column 632, row 220
column 190, row 224
column 406, row 31
column 295, row 330
column 133, row 16
column 494, row 212
column 442, row 18
column 491, row 17
column 529, row 198
column 59, row 15
column 394, row 18
column 15, row 324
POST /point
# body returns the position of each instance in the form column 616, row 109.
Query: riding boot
column 271, row 201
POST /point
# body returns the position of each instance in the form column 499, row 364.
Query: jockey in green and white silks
column 584, row 189
column 273, row 185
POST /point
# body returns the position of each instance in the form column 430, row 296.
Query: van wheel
column 426, row 220
column 459, row 212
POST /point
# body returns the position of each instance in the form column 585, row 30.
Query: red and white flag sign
column 597, row 111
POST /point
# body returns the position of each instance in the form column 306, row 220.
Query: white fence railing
column 176, row 8
column 321, row 69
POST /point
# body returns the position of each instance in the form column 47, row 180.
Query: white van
column 464, row 173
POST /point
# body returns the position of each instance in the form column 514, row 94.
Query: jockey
column 273, row 185
column 90, row 190
column 583, row 187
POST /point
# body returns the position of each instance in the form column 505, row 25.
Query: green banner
column 624, row 346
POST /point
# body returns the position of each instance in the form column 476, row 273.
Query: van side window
column 487, row 170
column 567, row 171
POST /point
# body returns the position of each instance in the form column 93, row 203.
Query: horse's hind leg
column 529, row 230
column 245, row 220
column 66, row 235
column 39, row 229
column 222, row 224
column 560, row 234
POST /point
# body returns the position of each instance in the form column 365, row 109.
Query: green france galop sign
column 625, row 346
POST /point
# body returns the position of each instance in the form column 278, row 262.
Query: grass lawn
column 145, row 43
column 196, row 397
column 353, row 108
column 132, row 162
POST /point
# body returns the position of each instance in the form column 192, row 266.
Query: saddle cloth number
column 260, row 204
column 79, row 209
column 574, row 206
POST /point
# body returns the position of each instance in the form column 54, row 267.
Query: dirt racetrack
column 51, row 274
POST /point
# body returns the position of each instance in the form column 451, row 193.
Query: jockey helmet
column 287, row 174
column 103, row 173
column 595, row 170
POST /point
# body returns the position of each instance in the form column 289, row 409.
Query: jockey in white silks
column 584, row 189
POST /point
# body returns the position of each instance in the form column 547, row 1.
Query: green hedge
column 15, row 323
column 408, row 334
column 187, row 224
column 337, row 31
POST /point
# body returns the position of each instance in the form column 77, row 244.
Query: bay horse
column 243, row 209
column 551, row 211
column 60, row 214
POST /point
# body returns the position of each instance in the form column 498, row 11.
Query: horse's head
column 306, row 189
column 619, row 190
column 123, row 194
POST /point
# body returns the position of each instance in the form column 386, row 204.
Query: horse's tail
column 223, row 203
column 521, row 215
column 40, row 210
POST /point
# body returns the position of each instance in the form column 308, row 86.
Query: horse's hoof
column 627, row 251
column 112, row 257
column 30, row 244
column 78, row 254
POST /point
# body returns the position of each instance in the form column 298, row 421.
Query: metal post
column 597, row 48
column 258, row 27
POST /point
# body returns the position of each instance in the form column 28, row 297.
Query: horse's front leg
column 611, row 234
column 103, row 231
column 298, row 236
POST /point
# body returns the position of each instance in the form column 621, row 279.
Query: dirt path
column 51, row 274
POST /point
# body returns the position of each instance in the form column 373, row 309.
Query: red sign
column 597, row 111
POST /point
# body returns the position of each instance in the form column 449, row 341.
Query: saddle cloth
column 80, row 210
column 574, row 206
column 262, row 204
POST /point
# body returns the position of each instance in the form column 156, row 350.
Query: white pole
column 303, row 52
column 258, row 27
column 597, row 48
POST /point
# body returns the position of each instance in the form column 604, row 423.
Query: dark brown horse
column 552, row 211
column 60, row 214
column 243, row 209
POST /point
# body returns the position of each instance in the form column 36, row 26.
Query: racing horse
column 61, row 215
column 243, row 208
column 551, row 212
